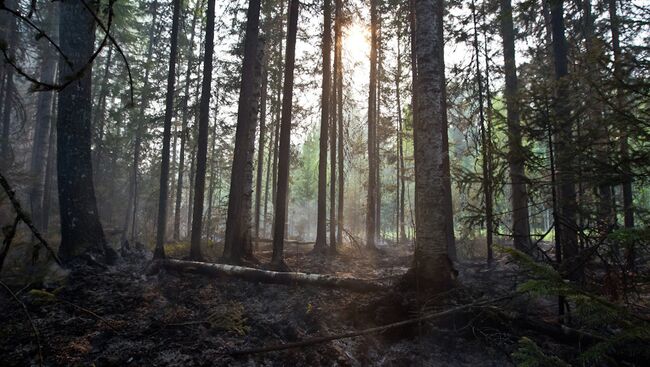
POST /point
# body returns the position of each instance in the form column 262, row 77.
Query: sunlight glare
column 356, row 41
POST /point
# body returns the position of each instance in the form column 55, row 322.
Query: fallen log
column 275, row 277
column 288, row 242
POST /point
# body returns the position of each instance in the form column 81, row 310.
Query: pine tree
column 81, row 230
column 235, row 226
column 432, row 265
column 321, row 237
column 169, row 105
column 281, row 201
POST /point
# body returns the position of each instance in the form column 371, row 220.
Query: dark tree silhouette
column 202, row 149
column 281, row 201
column 236, row 227
column 81, row 230
column 516, row 154
column 321, row 225
column 371, row 206
column 169, row 111
column 432, row 265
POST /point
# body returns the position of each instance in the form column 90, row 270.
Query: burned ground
column 121, row 316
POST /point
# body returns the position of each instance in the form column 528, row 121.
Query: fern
column 229, row 317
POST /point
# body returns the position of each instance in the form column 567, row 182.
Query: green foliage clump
column 229, row 317
column 613, row 328
column 529, row 354
column 43, row 297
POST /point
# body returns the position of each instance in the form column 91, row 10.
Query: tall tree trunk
column 99, row 116
column 281, row 202
column 563, row 142
column 271, row 164
column 192, row 176
column 380, row 75
column 484, row 143
column 605, row 219
column 516, row 154
column 235, row 226
column 628, row 205
column 326, row 90
column 432, row 267
column 333, row 153
column 278, row 111
column 414, row 83
column 3, row 96
column 371, row 206
column 247, row 214
column 42, row 125
column 267, row 182
column 202, row 141
column 169, row 111
column 9, row 87
column 49, row 172
column 81, row 230
column 338, row 56
column 5, row 144
column 137, row 144
column 488, row 144
column 261, row 146
column 401, row 184
column 184, row 128
column 212, row 182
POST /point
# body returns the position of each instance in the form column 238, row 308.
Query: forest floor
column 121, row 316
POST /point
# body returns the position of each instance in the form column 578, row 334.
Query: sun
column 356, row 41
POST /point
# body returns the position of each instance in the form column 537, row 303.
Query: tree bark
column 281, row 201
column 321, row 225
column 432, row 266
column 333, row 153
column 211, row 183
column 81, row 230
column 49, row 171
column 99, row 116
column 137, row 144
column 261, row 145
column 235, row 226
column 516, row 154
column 169, row 111
column 278, row 111
column 247, row 215
column 371, row 204
column 485, row 180
column 184, row 130
column 401, row 185
column 202, row 141
column 192, row 177
column 9, row 86
column 564, row 139
column 380, row 75
column 628, row 205
column 43, row 124
column 338, row 55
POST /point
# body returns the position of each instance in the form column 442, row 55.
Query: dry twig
column 31, row 321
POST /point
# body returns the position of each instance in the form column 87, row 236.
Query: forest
column 325, row 183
